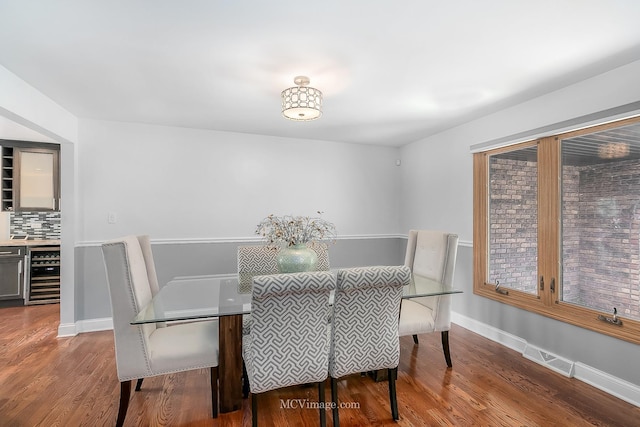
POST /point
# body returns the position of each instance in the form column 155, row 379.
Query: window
column 557, row 227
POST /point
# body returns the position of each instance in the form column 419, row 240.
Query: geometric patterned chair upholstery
column 146, row 350
column 431, row 256
column 364, row 326
column 288, row 341
column 254, row 261
column 261, row 260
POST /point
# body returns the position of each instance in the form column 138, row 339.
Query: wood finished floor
column 49, row 381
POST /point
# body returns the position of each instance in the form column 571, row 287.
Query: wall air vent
column 559, row 364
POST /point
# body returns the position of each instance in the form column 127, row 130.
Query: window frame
column 546, row 302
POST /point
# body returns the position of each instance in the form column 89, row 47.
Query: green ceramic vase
column 297, row 258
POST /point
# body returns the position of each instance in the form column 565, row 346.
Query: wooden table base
column 230, row 363
column 379, row 375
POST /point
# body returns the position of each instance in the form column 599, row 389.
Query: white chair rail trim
column 192, row 240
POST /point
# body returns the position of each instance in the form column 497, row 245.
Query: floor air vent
column 551, row 361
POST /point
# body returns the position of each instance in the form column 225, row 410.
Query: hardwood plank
column 72, row 382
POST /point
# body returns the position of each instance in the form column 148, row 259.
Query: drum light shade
column 301, row 103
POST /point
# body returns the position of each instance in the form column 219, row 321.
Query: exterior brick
column 600, row 232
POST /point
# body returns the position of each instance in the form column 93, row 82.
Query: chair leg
column 334, row 400
column 214, row 391
column 393, row 399
column 125, row 394
column 415, row 339
column 321, row 405
column 254, row 410
column 445, row 347
column 139, row 384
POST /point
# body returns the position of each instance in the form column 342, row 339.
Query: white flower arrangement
column 291, row 230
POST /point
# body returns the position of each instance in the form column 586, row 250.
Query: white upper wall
column 437, row 172
column 178, row 183
column 28, row 107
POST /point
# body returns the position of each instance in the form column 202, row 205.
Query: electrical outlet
column 112, row 218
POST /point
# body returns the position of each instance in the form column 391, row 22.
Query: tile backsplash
column 38, row 225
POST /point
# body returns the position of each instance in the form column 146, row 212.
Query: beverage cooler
column 43, row 275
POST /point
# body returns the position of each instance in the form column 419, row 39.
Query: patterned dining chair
column 288, row 342
column 261, row 260
column 145, row 350
column 364, row 326
column 322, row 250
column 254, row 261
column 431, row 256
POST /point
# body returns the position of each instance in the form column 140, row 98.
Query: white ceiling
column 392, row 72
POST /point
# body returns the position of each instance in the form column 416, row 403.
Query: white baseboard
column 494, row 334
column 81, row 326
column 67, row 330
column 94, row 325
column 615, row 386
column 608, row 383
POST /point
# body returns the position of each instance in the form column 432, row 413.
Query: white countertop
column 29, row 242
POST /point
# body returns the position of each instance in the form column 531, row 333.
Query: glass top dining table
column 196, row 297
column 208, row 297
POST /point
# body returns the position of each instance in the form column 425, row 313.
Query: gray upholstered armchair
column 431, row 256
column 288, row 341
column 146, row 350
column 364, row 326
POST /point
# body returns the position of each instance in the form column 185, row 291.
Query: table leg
column 230, row 362
column 379, row 375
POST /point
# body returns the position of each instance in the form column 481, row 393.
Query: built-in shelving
column 7, row 178
column 30, row 176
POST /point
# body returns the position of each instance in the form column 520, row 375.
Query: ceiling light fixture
column 613, row 150
column 301, row 103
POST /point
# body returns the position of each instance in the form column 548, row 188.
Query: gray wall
column 611, row 355
column 189, row 259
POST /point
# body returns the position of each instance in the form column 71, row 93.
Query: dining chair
column 260, row 260
column 288, row 342
column 364, row 326
column 146, row 350
column 254, row 261
column 145, row 246
column 147, row 254
column 431, row 256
